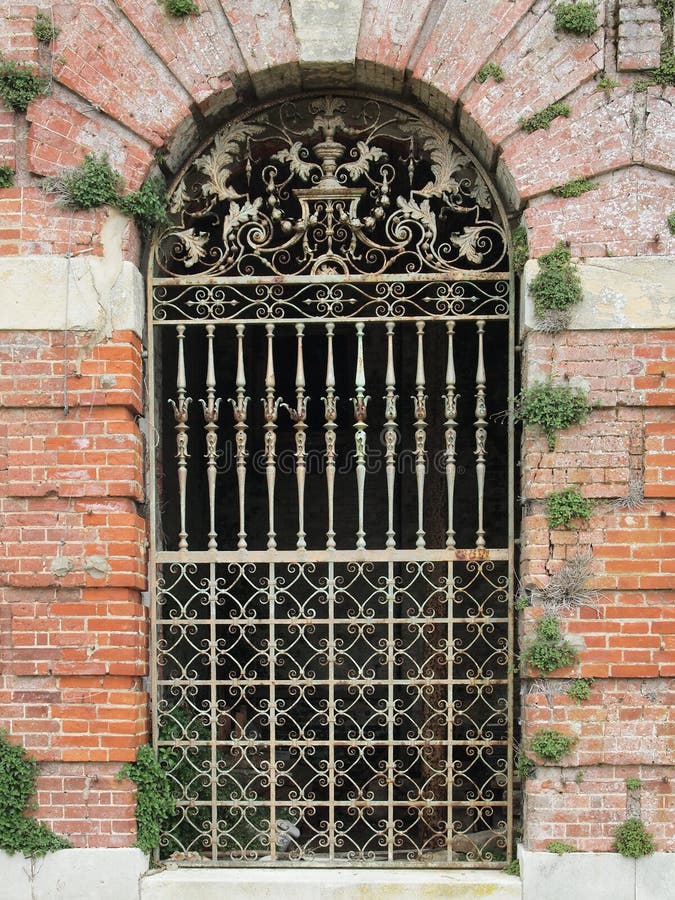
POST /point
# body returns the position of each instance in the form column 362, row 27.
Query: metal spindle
column 270, row 412
column 360, row 402
column 239, row 406
column 299, row 416
column 330, row 427
column 211, row 407
column 390, row 433
column 180, row 410
column 420, row 407
column 481, row 432
column 450, row 426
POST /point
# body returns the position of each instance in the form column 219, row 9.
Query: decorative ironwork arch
column 332, row 610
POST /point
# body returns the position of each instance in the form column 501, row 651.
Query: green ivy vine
column 154, row 801
column 19, row 832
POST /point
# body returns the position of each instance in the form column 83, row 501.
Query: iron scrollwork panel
column 357, row 713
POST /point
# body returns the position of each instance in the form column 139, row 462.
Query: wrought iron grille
column 332, row 532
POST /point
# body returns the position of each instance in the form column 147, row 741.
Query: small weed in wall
column 579, row 18
column 19, row 84
column 560, row 848
column 181, row 8
column 95, row 183
column 44, row 29
column 606, row 84
column 551, row 745
column 574, row 188
column 569, row 587
column 92, row 184
column 633, row 784
column 671, row 223
column 556, row 288
column 580, row 689
column 521, row 250
column 513, row 868
column 544, row 117
column 525, row 767
column 551, row 408
column 147, row 206
column 19, row 832
column 6, row 177
column 563, row 507
column 490, row 70
column 632, row 839
column 549, row 650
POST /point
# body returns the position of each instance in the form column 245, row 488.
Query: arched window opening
column 332, row 345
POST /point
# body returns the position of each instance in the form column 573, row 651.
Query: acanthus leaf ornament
column 332, row 184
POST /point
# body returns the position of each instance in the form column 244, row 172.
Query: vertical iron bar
column 270, row 411
column 330, row 407
column 330, row 599
column 239, row 407
column 481, row 432
column 180, row 410
column 391, row 645
column 360, row 402
column 213, row 707
column 449, row 600
column 211, row 407
column 511, row 573
column 450, row 403
column 420, row 407
column 299, row 415
column 272, row 650
column 390, row 433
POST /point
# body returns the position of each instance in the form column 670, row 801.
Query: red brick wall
column 627, row 728
column 72, row 569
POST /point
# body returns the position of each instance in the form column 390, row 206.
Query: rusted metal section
column 332, row 618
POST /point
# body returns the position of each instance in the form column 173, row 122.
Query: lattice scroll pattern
column 332, row 358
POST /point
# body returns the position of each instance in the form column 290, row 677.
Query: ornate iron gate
column 332, row 541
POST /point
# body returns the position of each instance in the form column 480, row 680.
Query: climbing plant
column 154, row 801
column 19, row 832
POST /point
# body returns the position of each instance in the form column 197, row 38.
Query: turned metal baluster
column 450, row 403
column 390, row 433
column 180, row 411
column 239, row 407
column 481, row 432
column 330, row 406
column 420, row 407
column 360, row 402
column 270, row 412
column 211, row 407
column 299, row 416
